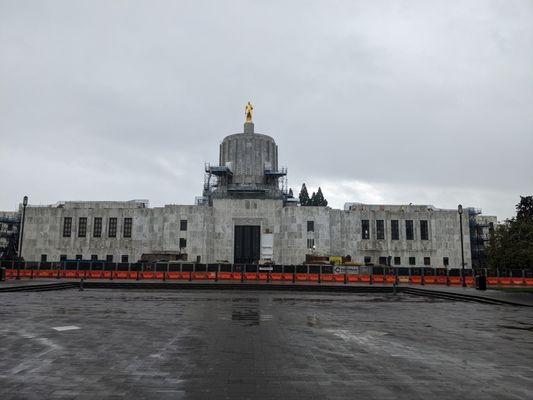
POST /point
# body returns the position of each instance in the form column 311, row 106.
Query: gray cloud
column 423, row 102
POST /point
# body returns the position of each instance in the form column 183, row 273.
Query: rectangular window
column 310, row 243
column 124, row 258
column 382, row 260
column 109, row 258
column 94, row 257
column 424, row 230
column 409, row 230
column 427, row 261
column 397, row 260
column 63, row 257
column 310, row 226
column 380, row 229
column 112, row 228
column 43, row 258
column 394, row 230
column 97, row 228
column 82, row 227
column 183, row 225
column 183, row 243
column 365, row 229
column 67, row 226
column 446, row 261
column 368, row 260
column 127, row 228
column 412, row 261
column 79, row 257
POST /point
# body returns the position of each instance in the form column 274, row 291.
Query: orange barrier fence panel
column 301, row 277
column 147, row 275
column 287, row 276
column 199, row 275
column 10, row 273
column 492, row 280
column 173, row 275
column 250, row 276
column 470, row 280
column 263, row 276
column 429, row 280
column 71, row 274
column 275, row 276
column 26, row 273
column 327, row 277
column 403, row 279
column 106, row 274
column 442, row 279
column 236, row 275
column 312, row 277
column 185, row 275
column 390, row 278
column 378, row 278
column 121, row 274
column 81, row 274
column 364, row 278
column 338, row 278
column 517, row 281
column 353, row 278
column 133, row 275
column 504, row 281
column 224, row 275
column 416, row 279
column 455, row 280
column 528, row 281
column 211, row 275
column 45, row 273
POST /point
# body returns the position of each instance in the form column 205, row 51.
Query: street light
column 460, row 211
column 24, row 204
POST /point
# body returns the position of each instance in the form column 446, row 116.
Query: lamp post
column 460, row 211
column 24, row 204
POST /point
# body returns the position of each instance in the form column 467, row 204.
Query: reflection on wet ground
column 207, row 344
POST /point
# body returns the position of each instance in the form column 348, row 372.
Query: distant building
column 246, row 215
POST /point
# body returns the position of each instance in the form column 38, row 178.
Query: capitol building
column 246, row 215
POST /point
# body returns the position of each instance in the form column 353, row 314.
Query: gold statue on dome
column 248, row 112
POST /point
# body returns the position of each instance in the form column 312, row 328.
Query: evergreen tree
column 304, row 196
column 511, row 243
column 320, row 200
column 290, row 193
column 312, row 202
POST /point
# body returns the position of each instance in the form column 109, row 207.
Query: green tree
column 511, row 243
column 290, row 193
column 320, row 200
column 312, row 202
column 304, row 196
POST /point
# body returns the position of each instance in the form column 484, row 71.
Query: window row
column 94, row 257
column 398, row 261
column 395, row 229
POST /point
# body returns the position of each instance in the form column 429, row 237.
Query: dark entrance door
column 247, row 244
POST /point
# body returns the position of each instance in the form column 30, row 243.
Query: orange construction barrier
column 338, row 278
column 364, row 278
column 263, row 276
column 455, row 280
column 504, row 281
column 378, row 278
column 236, row 275
column 185, row 275
column 353, row 278
column 287, row 276
column 70, row 273
column 491, row 280
column 120, row 274
column 199, row 275
column 390, row 278
column 301, row 277
column 312, row 277
column 250, row 276
column 528, row 281
column 517, row 281
column 10, row 273
column 94, row 274
column 326, row 277
column 276, row 276
column 173, row 275
column 224, row 275
column 106, row 274
column 403, row 279
column 430, row 280
column 45, row 273
column 442, row 279
column 211, row 275
column 416, row 279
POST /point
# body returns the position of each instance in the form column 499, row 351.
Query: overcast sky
column 427, row 102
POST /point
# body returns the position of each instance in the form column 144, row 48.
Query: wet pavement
column 259, row 345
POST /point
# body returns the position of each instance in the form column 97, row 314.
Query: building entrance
column 247, row 244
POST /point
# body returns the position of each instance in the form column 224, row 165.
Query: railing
column 252, row 272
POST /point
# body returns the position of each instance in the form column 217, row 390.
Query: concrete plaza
column 133, row 344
